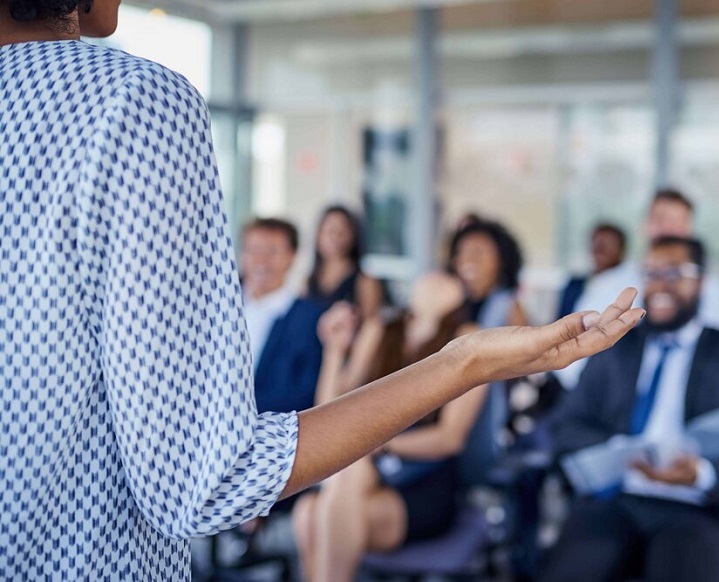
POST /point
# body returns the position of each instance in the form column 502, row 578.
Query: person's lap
column 605, row 540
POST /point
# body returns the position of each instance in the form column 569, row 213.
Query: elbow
column 454, row 444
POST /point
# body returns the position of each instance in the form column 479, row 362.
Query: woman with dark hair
column 336, row 274
column 487, row 259
column 127, row 418
column 409, row 489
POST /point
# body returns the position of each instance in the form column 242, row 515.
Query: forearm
column 446, row 437
column 329, row 382
column 425, row 443
column 340, row 432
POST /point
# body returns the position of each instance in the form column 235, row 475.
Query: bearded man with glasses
column 662, row 518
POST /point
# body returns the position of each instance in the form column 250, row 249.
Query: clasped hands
column 681, row 471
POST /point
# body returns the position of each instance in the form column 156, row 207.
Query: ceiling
column 386, row 16
column 278, row 10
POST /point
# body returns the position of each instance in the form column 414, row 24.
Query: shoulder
column 710, row 337
column 306, row 308
column 603, row 288
column 576, row 282
column 365, row 281
column 141, row 82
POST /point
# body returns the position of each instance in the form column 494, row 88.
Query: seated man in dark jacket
column 663, row 514
column 286, row 351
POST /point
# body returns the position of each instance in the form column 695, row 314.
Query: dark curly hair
column 510, row 253
column 52, row 10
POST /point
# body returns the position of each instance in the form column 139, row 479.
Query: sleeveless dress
column 345, row 291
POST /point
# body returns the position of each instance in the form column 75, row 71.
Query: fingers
column 676, row 474
column 584, row 334
column 622, row 304
column 607, row 332
column 574, row 325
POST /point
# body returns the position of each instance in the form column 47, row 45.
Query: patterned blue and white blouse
column 127, row 418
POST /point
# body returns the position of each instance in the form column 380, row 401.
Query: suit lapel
column 697, row 401
column 272, row 345
column 628, row 374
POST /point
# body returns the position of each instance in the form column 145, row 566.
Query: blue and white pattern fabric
column 127, row 422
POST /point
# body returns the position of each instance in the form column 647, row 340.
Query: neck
column 13, row 32
column 258, row 292
column 336, row 263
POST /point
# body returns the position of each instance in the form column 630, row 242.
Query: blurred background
column 549, row 115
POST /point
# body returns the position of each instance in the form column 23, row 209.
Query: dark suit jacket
column 601, row 405
column 570, row 295
column 287, row 371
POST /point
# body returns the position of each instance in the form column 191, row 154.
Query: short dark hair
column 612, row 229
column 673, row 195
column 510, row 254
column 29, row 10
column 697, row 252
column 277, row 225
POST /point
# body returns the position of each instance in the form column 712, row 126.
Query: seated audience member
column 487, row 260
column 336, row 274
column 608, row 246
column 662, row 515
column 670, row 214
column 408, row 490
column 286, row 351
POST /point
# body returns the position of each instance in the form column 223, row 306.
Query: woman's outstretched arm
column 336, row 434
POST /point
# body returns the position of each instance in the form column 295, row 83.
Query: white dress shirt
column 665, row 426
column 261, row 314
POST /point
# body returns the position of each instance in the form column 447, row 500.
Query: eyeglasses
column 672, row 274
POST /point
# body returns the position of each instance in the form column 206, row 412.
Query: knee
column 303, row 520
column 356, row 481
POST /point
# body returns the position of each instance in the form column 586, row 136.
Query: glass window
column 178, row 43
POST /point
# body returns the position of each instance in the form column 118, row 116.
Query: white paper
column 600, row 467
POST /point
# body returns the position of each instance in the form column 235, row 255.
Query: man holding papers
column 625, row 437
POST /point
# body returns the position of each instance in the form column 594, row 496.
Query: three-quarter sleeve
column 163, row 295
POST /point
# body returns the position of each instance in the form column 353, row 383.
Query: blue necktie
column 645, row 401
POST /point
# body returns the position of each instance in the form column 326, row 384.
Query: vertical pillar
column 243, row 120
column 666, row 84
column 232, row 119
column 422, row 207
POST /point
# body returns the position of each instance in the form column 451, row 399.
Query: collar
column 277, row 301
column 684, row 337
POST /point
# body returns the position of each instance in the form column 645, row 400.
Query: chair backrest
column 483, row 445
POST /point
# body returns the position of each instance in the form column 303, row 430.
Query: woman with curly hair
column 127, row 418
column 487, row 259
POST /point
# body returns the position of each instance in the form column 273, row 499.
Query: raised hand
column 337, row 326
